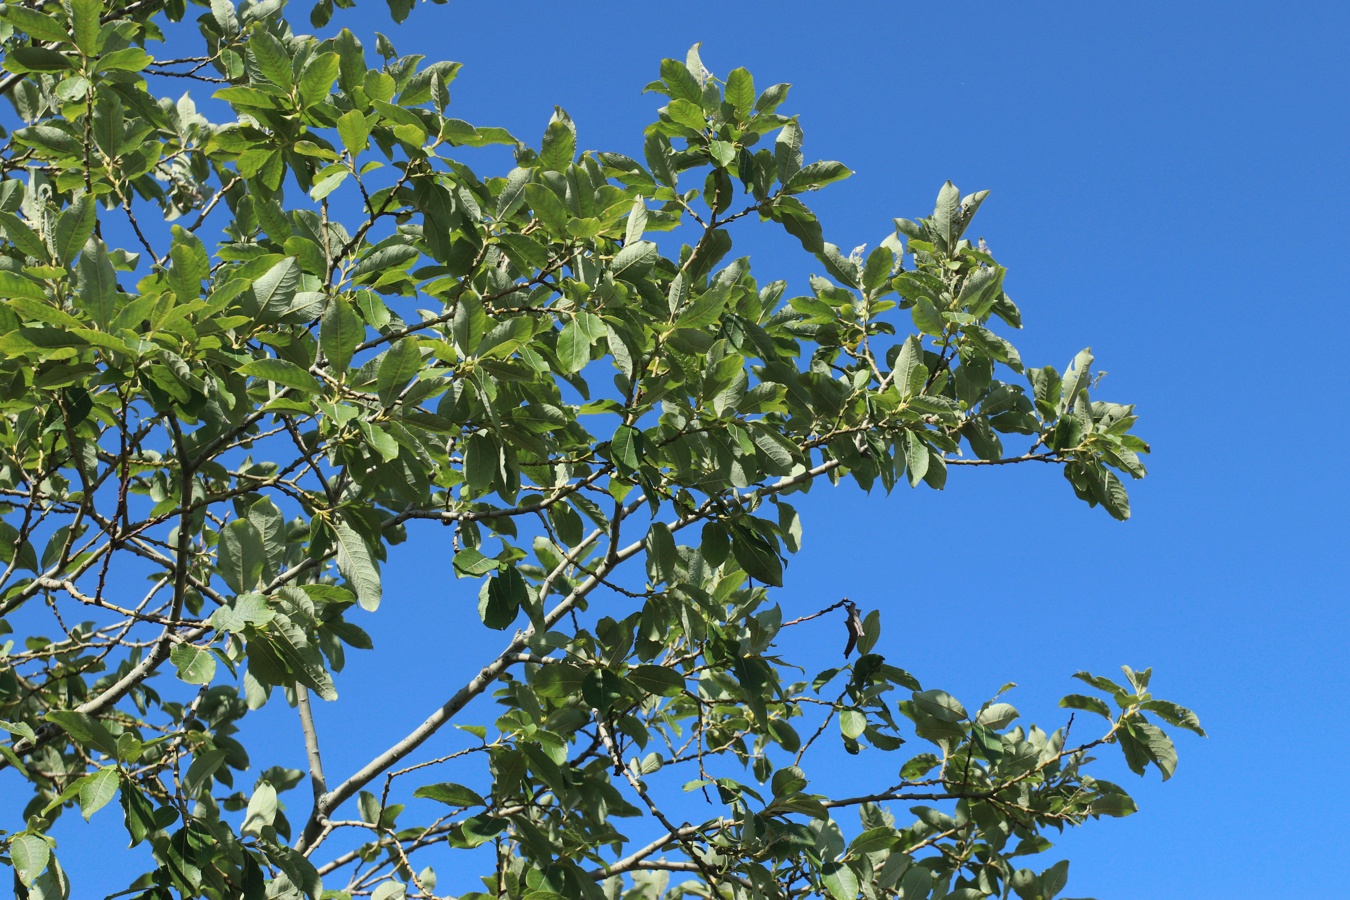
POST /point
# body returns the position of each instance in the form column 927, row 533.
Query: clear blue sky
column 1169, row 187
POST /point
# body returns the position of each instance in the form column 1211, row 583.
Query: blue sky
column 1168, row 187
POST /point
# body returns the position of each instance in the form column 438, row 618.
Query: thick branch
column 316, row 779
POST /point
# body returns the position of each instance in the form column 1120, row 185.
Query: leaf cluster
column 241, row 360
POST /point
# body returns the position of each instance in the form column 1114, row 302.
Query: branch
column 316, row 779
column 1008, row 460
column 619, row 768
column 827, row 609
column 160, row 652
column 633, row 860
column 461, row 698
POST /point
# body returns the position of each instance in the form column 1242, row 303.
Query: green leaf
column 839, row 880
column 926, row 317
column 1116, row 805
column 357, row 564
column 688, row 114
column 204, row 765
column 787, row 151
column 74, row 227
column 242, row 556
column 14, row 286
column 522, row 248
column 877, row 269
column 873, row 839
column 940, row 705
column 513, row 193
column 138, row 813
column 574, row 348
column 500, row 598
column 754, row 554
column 18, row 232
column 547, row 208
column 871, row 631
column 24, row 58
column 84, row 21
column 657, row 151
column 788, row 780
column 919, row 766
column 681, row 84
column 1114, row 496
column 196, row 665
column 398, row 366
column 34, row 24
column 469, row 325
column 840, row 267
column 317, row 78
column 450, row 794
column 1076, row 378
column 274, row 290
column 297, row 868
column 262, row 810
column 982, row 287
column 800, row 222
column 301, row 657
column 471, row 562
column 479, row 830
column 97, row 790
column 481, row 463
column 1055, row 878
column 560, row 142
column 772, row 97
column 1091, row 704
column 740, row 91
column 637, row 222
column 1159, row 745
column 626, row 448
column 283, row 372
column 329, row 183
column 340, row 332
column 662, row 555
column 1173, row 714
column 29, row 855
column 129, row 59
column 274, row 62
column 816, row 175
column 354, row 130
column 1101, row 683
column 190, row 267
column 22, row 729
column 85, row 729
column 917, row 459
column 660, row 680
column 601, row 689
column 852, row 723
column 633, row 261
column 248, row 609
column 996, row 716
column 947, row 217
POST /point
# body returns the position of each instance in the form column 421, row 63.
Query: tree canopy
column 240, row 359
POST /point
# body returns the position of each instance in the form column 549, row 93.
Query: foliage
column 328, row 331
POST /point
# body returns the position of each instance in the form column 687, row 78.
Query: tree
column 241, row 360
